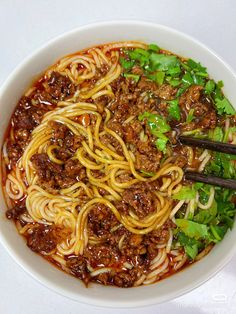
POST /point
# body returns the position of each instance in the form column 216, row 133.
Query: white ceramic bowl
column 11, row 91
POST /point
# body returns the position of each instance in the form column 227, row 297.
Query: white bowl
column 19, row 80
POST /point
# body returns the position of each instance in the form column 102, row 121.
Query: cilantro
column 160, row 77
column 153, row 47
column 131, row 76
column 157, row 77
column 191, row 246
column 205, row 216
column 198, row 79
column 161, row 142
column 226, row 136
column 175, row 71
column 139, row 55
column 207, row 225
column 198, row 185
column 218, row 232
column 220, row 84
column 226, row 209
column 187, row 79
column 224, row 106
column 158, row 126
column 217, row 134
column 190, row 116
column 173, row 109
column 126, row 64
column 181, row 90
column 197, row 67
column 155, row 122
column 192, row 229
column 174, row 82
column 210, row 86
column 191, row 249
column 186, row 193
column 222, row 166
column 163, row 62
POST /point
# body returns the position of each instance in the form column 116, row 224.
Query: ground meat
column 60, row 131
column 57, row 176
column 135, row 250
column 204, row 112
column 135, row 240
column 166, row 92
column 42, row 239
column 103, row 278
column 140, row 199
column 149, row 162
column 51, row 175
column 60, row 86
column 67, row 141
column 132, row 132
column 146, row 84
column 124, row 279
column 159, row 236
column 27, row 116
column 108, row 140
column 192, row 95
column 102, row 255
column 44, row 167
column 73, row 168
column 116, row 126
column 209, row 121
column 16, row 211
column 14, row 151
column 78, row 267
column 101, row 220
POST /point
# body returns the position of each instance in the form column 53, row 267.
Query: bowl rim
column 20, row 260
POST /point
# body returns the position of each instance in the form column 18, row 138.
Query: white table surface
column 27, row 24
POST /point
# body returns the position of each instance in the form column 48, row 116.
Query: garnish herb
column 158, row 127
column 173, row 109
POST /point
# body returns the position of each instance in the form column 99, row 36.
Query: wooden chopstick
column 210, row 179
column 208, row 144
column 215, row 146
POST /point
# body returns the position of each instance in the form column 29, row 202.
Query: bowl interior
column 10, row 93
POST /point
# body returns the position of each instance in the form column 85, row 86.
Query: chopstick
column 210, row 179
column 215, row 146
column 208, row 144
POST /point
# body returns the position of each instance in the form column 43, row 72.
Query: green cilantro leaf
column 161, row 142
column 158, row 126
column 196, row 66
column 160, row 77
column 186, row 193
column 157, row 77
column 191, row 246
column 205, row 216
column 163, row 62
column 174, row 109
column 126, row 64
column 134, row 77
column 139, row 55
column 192, row 229
column 154, row 47
column 210, row 86
column 187, row 79
column 217, row 134
column 224, row 106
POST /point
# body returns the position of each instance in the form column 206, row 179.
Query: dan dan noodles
column 93, row 171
